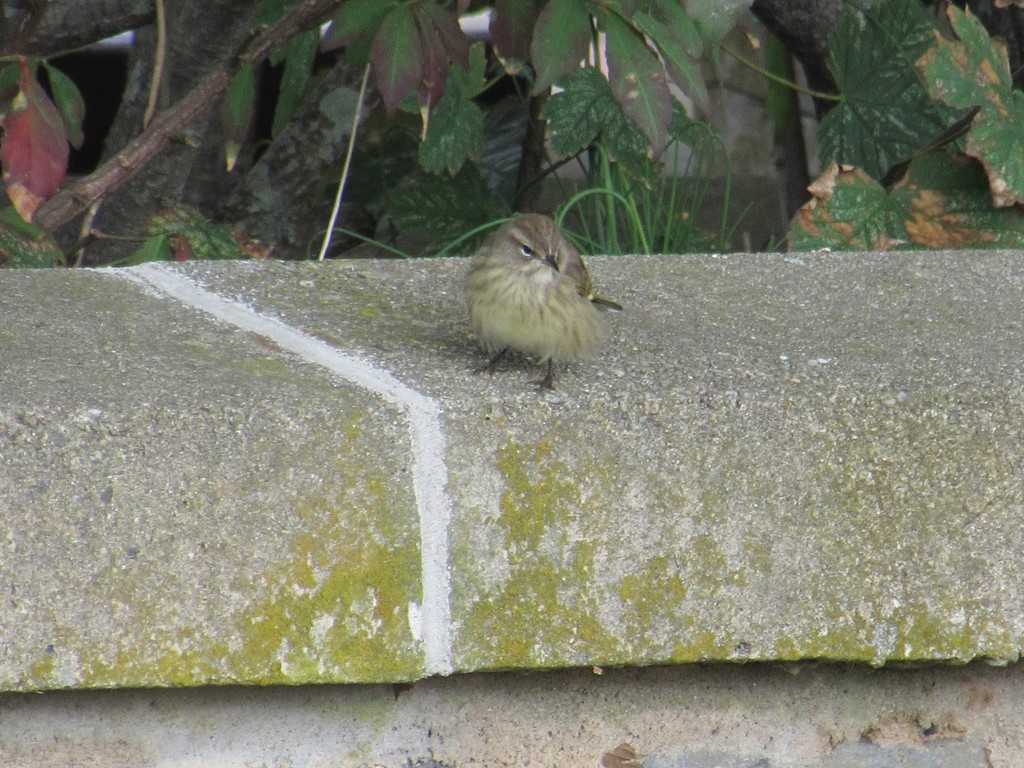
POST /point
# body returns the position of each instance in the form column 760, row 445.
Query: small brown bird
column 528, row 290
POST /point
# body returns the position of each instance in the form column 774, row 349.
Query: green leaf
column 673, row 26
column 397, row 57
column 355, row 21
column 504, row 134
column 848, row 211
column 205, row 239
column 561, row 39
column 677, row 39
column 637, row 80
column 714, row 19
column 443, row 207
column 779, row 101
column 298, row 66
column 998, row 143
column 69, row 102
column 10, row 79
column 454, row 135
column 469, row 81
column 511, row 25
column 886, row 115
column 155, row 248
column 587, row 110
column 25, row 245
column 975, row 71
column 237, row 111
column 942, row 202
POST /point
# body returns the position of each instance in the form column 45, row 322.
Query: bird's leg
column 548, row 382
column 492, row 366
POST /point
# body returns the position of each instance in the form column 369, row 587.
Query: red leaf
column 637, row 80
column 182, row 249
column 440, row 26
column 34, row 151
column 511, row 24
column 435, row 75
column 396, row 56
column 443, row 42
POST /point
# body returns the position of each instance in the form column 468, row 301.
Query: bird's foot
column 494, row 364
column 548, row 382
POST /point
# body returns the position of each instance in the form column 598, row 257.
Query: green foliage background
column 908, row 85
column 922, row 148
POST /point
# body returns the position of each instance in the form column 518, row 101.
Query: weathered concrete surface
column 689, row 716
column 773, row 458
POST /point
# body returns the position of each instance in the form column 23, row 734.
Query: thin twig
column 85, row 230
column 348, row 161
column 159, row 59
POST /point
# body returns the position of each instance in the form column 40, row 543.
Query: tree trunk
column 804, row 26
column 286, row 197
column 68, row 25
column 200, row 36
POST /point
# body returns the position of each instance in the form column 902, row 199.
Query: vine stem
column 357, row 114
column 159, row 58
column 780, row 80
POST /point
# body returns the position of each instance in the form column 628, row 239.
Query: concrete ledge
column 691, row 716
column 270, row 472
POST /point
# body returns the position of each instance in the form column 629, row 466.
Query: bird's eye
column 527, row 250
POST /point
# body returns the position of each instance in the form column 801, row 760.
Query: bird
column 528, row 290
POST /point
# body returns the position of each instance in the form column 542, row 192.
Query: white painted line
column 429, row 470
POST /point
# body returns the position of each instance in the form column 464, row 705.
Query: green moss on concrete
column 651, row 595
column 335, row 608
column 885, row 477
column 703, row 645
column 917, row 633
column 545, row 613
column 340, row 609
column 44, row 669
column 709, row 567
column 887, row 486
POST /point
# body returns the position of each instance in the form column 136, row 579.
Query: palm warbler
column 528, row 290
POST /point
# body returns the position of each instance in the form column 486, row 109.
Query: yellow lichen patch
column 339, row 610
column 326, row 598
column 652, row 595
column 915, row 633
column 546, row 612
column 44, row 669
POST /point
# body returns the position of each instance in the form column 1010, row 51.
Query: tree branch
column 73, row 25
column 71, row 201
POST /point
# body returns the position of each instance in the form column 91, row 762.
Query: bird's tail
column 604, row 301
